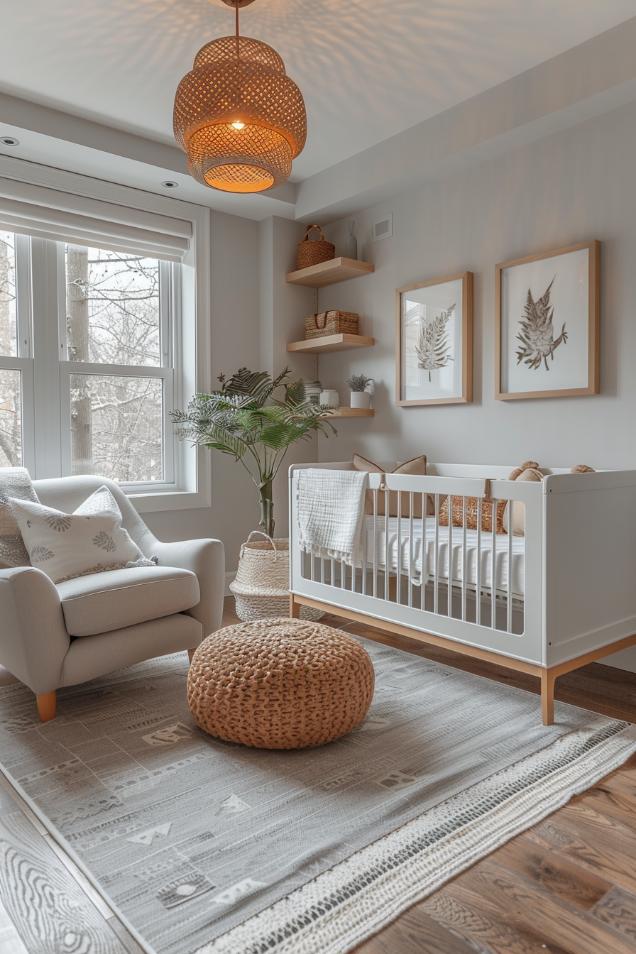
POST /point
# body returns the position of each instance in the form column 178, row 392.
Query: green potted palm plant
column 255, row 418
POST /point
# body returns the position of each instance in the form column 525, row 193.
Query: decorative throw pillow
column 14, row 482
column 90, row 540
column 529, row 470
column 415, row 467
column 471, row 513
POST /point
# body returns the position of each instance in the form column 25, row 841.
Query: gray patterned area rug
column 208, row 848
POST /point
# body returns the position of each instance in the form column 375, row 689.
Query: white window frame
column 22, row 361
column 186, row 293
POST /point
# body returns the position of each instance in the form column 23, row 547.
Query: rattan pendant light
column 238, row 116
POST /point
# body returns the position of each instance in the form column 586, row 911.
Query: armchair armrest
column 33, row 637
column 205, row 558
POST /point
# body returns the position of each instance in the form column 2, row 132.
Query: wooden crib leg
column 46, row 706
column 191, row 653
column 547, row 696
column 294, row 607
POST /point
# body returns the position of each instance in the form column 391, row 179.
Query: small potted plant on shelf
column 360, row 396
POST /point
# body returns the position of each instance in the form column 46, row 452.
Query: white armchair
column 55, row 635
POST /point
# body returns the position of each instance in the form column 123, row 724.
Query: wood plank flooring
column 566, row 886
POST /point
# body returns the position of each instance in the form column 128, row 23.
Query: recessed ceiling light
column 9, row 141
column 170, row 184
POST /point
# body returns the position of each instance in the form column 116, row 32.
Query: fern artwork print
column 434, row 341
column 548, row 324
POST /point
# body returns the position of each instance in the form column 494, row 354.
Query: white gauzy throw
column 330, row 507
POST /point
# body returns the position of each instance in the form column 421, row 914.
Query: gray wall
column 574, row 186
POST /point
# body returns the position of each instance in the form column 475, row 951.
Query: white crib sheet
column 501, row 556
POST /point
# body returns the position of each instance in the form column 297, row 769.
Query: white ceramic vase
column 360, row 399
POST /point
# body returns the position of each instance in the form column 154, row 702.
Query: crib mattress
column 412, row 552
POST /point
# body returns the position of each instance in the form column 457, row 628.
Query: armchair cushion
column 102, row 602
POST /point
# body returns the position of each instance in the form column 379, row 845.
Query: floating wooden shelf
column 339, row 342
column 328, row 273
column 353, row 412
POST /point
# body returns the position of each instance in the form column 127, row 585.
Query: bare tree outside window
column 10, row 380
column 113, row 318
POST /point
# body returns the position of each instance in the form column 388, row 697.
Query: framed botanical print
column 434, row 341
column 547, row 335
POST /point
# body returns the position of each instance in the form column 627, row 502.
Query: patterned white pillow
column 90, row 540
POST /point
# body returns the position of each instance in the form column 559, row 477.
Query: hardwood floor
column 566, row 886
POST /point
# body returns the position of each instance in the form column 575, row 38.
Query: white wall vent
column 383, row 228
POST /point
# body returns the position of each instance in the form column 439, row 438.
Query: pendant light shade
column 238, row 117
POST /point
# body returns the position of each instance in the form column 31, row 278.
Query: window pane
column 117, row 426
column 112, row 307
column 10, row 419
column 8, row 344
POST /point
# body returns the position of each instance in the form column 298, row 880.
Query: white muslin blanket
column 330, row 509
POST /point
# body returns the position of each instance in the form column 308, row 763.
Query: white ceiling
column 368, row 68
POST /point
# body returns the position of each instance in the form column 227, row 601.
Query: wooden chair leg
column 547, row 696
column 46, row 706
column 294, row 607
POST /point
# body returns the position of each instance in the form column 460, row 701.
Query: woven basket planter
column 314, row 251
column 261, row 585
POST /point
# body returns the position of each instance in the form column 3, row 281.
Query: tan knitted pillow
column 486, row 506
column 471, row 513
column 416, row 467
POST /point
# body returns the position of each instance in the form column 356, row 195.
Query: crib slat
column 478, row 574
column 509, row 597
column 436, row 558
column 312, row 568
column 386, row 545
column 410, row 582
column 463, row 558
column 375, row 543
column 423, row 553
column 449, row 581
column 332, row 571
column 398, row 581
column 343, row 575
column 322, row 569
column 493, row 568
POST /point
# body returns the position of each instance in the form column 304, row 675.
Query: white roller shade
column 63, row 217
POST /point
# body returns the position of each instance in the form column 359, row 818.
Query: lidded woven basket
column 313, row 251
column 261, row 585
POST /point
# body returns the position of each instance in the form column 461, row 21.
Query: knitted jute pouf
column 279, row 684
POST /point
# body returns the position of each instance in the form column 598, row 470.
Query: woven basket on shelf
column 314, row 251
column 332, row 323
column 261, row 585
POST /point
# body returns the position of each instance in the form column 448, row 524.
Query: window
column 118, row 374
column 105, row 377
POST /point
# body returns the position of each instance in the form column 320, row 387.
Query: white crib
column 544, row 603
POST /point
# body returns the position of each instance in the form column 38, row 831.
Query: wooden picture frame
column 413, row 394
column 581, row 372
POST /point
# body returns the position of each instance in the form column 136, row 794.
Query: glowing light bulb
column 238, row 125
